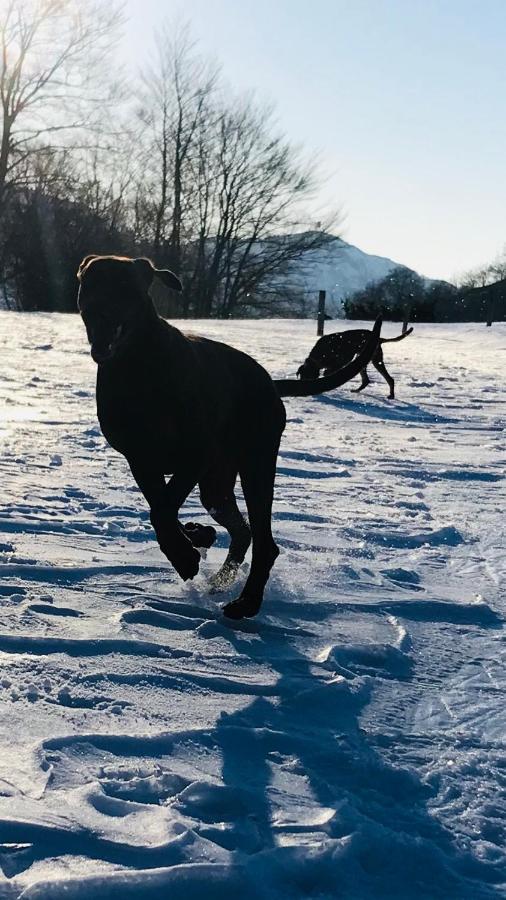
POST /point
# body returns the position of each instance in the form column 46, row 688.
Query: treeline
column 483, row 276
column 403, row 294
column 166, row 163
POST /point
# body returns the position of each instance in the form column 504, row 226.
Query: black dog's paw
column 179, row 551
column 200, row 535
column 242, row 608
column 186, row 562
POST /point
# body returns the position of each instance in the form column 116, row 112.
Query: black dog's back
column 332, row 351
column 341, row 345
column 197, row 386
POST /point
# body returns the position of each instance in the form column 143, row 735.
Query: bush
column 403, row 294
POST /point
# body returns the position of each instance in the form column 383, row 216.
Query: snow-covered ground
column 350, row 741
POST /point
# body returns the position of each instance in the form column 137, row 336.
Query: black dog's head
column 114, row 300
column 308, row 370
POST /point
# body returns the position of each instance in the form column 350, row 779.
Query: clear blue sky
column 403, row 99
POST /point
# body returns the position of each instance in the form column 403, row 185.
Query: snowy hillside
column 339, row 269
column 350, row 741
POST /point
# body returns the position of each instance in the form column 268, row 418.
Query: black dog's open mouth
column 101, row 352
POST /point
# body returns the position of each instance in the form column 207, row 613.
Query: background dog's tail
column 289, row 387
column 400, row 337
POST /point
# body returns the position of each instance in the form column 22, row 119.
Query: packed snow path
column 347, row 743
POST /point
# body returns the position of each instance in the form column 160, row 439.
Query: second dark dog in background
column 332, row 351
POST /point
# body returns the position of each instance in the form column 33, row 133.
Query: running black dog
column 335, row 350
column 192, row 408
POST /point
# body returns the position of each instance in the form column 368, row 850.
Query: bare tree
column 498, row 267
column 255, row 184
column 175, row 101
column 484, row 275
column 478, row 277
column 50, row 223
column 204, row 181
column 52, row 55
column 224, row 190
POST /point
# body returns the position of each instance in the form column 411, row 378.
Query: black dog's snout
column 103, row 334
column 308, row 370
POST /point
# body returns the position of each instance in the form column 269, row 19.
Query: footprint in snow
column 51, row 610
column 141, row 784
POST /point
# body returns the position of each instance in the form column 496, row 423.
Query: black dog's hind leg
column 257, row 476
column 217, row 496
column 365, row 382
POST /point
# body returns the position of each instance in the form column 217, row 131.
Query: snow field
column 347, row 743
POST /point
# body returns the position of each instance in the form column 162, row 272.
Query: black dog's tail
column 289, row 387
column 400, row 337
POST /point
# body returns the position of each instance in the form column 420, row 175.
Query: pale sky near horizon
column 402, row 99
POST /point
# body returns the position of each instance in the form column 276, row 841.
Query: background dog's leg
column 381, row 368
column 257, row 476
column 365, row 381
column 217, row 496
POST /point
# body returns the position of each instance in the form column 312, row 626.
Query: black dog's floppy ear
column 147, row 272
column 169, row 279
column 84, row 262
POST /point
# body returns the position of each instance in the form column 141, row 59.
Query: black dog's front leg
column 175, row 544
column 164, row 502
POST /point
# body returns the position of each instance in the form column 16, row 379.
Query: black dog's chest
column 136, row 416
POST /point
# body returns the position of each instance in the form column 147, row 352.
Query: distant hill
column 340, row 269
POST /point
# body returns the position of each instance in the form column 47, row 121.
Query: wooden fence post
column 321, row 313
